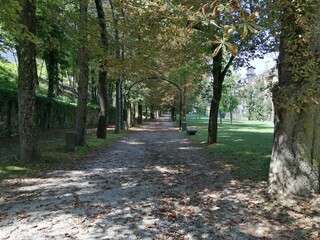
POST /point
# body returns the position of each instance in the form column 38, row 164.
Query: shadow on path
column 153, row 184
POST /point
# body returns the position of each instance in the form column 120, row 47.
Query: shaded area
column 153, row 184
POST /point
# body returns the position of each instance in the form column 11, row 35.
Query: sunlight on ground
column 133, row 143
column 189, row 148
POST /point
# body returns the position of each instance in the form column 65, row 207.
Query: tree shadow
column 154, row 184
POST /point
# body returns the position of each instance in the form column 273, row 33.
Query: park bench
column 191, row 131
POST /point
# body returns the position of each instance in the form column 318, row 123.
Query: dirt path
column 154, row 184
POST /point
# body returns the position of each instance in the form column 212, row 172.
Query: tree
column 229, row 103
column 102, row 124
column 295, row 160
column 259, row 104
column 27, row 78
column 230, row 38
column 83, row 74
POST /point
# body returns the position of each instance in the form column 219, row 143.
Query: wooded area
column 106, row 50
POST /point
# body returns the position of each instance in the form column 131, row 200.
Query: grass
column 8, row 76
column 244, row 146
column 53, row 154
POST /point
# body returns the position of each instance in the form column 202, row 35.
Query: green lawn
column 244, row 146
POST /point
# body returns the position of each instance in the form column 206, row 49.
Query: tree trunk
column 118, row 107
column 296, row 151
column 103, row 91
column 83, row 76
column 27, row 79
column 139, row 113
column 51, row 60
column 180, row 109
column 128, row 115
column 133, row 115
column 172, row 114
column 103, row 99
column 213, row 121
column 146, row 117
column 218, row 78
column 231, row 117
column 294, row 166
column 184, row 111
column 121, row 110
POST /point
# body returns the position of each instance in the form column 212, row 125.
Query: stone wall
column 50, row 114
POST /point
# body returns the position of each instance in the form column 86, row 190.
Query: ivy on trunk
column 27, row 79
column 295, row 160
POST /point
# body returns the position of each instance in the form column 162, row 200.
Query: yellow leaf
column 216, row 51
column 232, row 48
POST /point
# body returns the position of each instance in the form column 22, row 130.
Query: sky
column 7, row 55
column 261, row 65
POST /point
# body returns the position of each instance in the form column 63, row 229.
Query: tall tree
column 119, row 53
column 83, row 66
column 229, row 101
column 103, row 97
column 232, row 24
column 294, row 167
column 27, row 78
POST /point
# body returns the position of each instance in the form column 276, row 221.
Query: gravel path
column 153, row 184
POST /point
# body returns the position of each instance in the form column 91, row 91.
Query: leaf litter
column 165, row 187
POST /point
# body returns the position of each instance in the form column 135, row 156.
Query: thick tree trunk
column 83, row 76
column 103, row 91
column 294, row 166
column 27, row 79
column 296, row 152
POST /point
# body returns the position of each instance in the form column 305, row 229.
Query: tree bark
column 184, row 111
column 118, row 107
column 27, row 78
column 103, row 91
column 218, row 78
column 83, row 76
column 294, row 166
column 139, row 113
column 173, row 113
column 133, row 115
column 51, row 60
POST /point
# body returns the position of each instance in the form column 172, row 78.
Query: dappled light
column 156, row 184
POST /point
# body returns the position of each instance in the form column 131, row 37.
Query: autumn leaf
column 216, row 51
column 232, row 48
